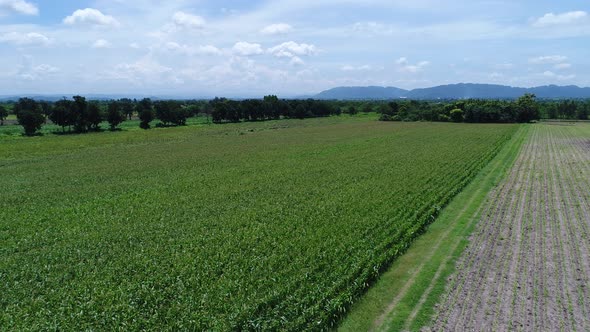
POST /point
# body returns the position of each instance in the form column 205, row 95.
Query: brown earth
column 528, row 263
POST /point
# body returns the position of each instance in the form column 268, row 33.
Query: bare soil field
column 528, row 263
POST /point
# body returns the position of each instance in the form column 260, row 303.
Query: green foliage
column 115, row 115
column 145, row 113
column 251, row 226
column 94, row 116
column 527, row 108
column 127, row 107
column 3, row 114
column 79, row 112
column 62, row 114
column 29, row 115
column 171, row 112
column 456, row 115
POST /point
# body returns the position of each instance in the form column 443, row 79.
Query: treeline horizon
column 78, row 115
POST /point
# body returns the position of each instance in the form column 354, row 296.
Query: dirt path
column 528, row 264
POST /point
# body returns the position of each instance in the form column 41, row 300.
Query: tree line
column 77, row 115
column 525, row 109
column 269, row 108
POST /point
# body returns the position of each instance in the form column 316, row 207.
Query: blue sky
column 287, row 47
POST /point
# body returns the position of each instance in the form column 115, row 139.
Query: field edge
column 405, row 296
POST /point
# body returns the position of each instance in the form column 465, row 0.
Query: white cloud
column 101, row 43
column 19, row 7
column 277, row 29
column 548, row 59
column 189, row 21
column 405, row 66
column 247, row 49
column 296, row 61
column 192, row 50
column 29, row 72
column 504, row 66
column 291, row 49
column 143, row 72
column 356, row 68
column 551, row 19
column 209, row 50
column 90, row 16
column 373, row 28
column 553, row 75
column 134, row 46
column 561, row 66
column 29, row 39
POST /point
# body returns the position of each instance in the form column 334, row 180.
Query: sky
column 249, row 48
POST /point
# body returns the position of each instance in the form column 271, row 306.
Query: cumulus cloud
column 405, row 66
column 551, row 19
column 291, row 49
column 101, row 43
column 90, row 16
column 29, row 39
column 247, row 49
column 19, row 7
column 188, row 21
column 548, row 59
column 277, row 29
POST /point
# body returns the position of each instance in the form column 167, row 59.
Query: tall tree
column 3, row 114
column 145, row 112
column 127, row 107
column 527, row 108
column 114, row 115
column 62, row 115
column 94, row 116
column 29, row 115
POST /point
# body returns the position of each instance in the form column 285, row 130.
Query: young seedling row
column 528, row 264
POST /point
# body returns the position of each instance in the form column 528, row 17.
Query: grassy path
column 405, row 296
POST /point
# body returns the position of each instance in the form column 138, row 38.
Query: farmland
column 527, row 266
column 269, row 225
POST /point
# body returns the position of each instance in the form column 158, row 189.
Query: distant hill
column 454, row 91
column 369, row 92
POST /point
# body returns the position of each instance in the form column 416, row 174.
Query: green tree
column 29, row 115
column 3, row 114
column 114, row 115
column 300, row 111
column 352, row 110
column 62, row 114
column 127, row 107
column 527, row 108
column 46, row 109
column 80, row 113
column 145, row 111
column 94, row 116
column 457, row 115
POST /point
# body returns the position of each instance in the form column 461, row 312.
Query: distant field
column 527, row 266
column 278, row 225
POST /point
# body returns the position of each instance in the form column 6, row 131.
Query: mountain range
column 454, row 91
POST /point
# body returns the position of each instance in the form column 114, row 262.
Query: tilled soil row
column 528, row 263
